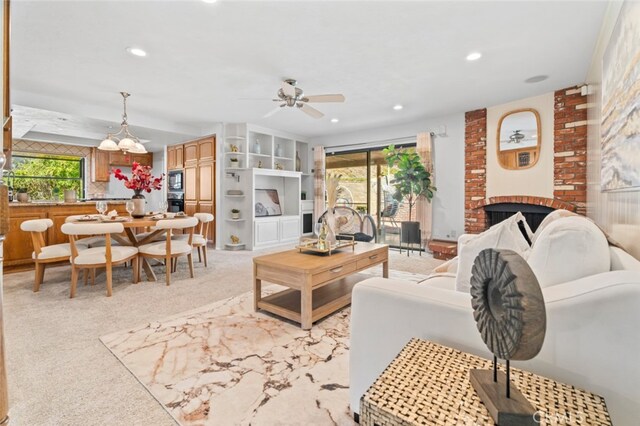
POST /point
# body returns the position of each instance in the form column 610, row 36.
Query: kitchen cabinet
column 191, row 153
column 191, row 183
column 198, row 160
column 18, row 246
column 102, row 161
column 99, row 165
column 175, row 159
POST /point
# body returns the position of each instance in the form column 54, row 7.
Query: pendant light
column 127, row 142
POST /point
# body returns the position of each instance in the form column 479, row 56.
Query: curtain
column 318, row 181
column 424, row 209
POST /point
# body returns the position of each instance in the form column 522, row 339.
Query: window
column 367, row 186
column 46, row 177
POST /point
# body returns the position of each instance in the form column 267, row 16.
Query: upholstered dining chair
column 91, row 241
column 45, row 254
column 171, row 249
column 98, row 257
column 200, row 236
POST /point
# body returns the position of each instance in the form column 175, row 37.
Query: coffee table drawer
column 372, row 259
column 334, row 273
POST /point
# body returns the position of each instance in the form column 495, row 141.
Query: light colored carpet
column 60, row 373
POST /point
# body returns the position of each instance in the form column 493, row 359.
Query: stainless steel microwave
column 175, row 182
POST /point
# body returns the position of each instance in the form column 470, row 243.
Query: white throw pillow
column 551, row 217
column 567, row 249
column 504, row 235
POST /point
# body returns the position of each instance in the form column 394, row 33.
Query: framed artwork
column 620, row 137
column 267, row 203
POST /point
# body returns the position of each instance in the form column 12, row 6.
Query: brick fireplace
column 569, row 164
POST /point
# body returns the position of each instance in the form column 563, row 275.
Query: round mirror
column 519, row 139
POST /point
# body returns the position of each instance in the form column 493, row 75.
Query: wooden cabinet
column 197, row 158
column 206, row 149
column 99, row 165
column 175, row 158
column 102, row 161
column 191, row 153
column 18, row 246
column 206, row 172
column 191, row 183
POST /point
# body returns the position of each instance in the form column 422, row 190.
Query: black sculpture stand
column 506, row 404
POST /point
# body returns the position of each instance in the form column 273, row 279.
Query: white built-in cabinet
column 259, row 158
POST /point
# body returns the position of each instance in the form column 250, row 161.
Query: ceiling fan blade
column 309, row 110
column 273, row 111
column 288, row 89
column 325, row 98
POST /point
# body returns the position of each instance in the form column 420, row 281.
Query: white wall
column 535, row 181
column 616, row 212
column 448, row 203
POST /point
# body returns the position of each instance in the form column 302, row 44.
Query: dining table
column 130, row 236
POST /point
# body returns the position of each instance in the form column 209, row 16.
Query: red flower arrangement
column 141, row 179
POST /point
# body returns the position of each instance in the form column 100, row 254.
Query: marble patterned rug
column 224, row 364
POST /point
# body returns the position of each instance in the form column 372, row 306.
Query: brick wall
column 570, row 148
column 475, row 173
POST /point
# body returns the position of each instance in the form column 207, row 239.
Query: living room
column 342, row 212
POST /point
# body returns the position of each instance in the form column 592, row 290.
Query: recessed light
column 398, row 107
column 136, row 51
column 536, row 79
column 474, row 56
column 209, row 1
column 334, row 120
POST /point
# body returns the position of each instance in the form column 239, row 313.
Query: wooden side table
column 428, row 384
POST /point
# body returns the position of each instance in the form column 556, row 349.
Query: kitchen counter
column 62, row 203
column 18, row 246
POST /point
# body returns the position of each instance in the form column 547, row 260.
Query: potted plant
column 140, row 181
column 234, row 162
column 23, row 196
column 235, row 214
column 412, row 181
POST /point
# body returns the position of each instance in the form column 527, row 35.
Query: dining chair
column 171, row 249
column 91, row 241
column 200, row 235
column 98, row 257
column 45, row 254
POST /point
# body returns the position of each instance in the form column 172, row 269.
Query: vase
column 298, row 162
column 330, row 220
column 139, row 203
column 278, row 151
column 256, row 147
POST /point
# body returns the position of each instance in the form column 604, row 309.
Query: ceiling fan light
column 126, row 144
column 108, row 145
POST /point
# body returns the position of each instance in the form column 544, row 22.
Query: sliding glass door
column 367, row 186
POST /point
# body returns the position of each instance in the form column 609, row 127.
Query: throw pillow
column 567, row 249
column 551, row 217
column 505, row 235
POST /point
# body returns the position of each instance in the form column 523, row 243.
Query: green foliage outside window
column 46, row 178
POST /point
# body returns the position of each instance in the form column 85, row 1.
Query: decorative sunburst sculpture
column 509, row 311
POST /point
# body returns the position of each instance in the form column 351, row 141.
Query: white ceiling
column 205, row 59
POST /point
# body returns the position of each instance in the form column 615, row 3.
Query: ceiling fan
column 291, row 96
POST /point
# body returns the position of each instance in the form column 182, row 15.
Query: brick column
column 475, row 169
column 570, row 148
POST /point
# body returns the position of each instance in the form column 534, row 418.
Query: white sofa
column 592, row 339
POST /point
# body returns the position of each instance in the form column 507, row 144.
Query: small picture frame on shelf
column 267, row 203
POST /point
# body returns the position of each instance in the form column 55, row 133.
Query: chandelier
column 123, row 140
column 516, row 137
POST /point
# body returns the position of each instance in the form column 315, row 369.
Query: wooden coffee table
column 319, row 285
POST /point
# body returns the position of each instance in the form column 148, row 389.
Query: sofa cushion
column 569, row 248
column 551, row 217
column 504, row 235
